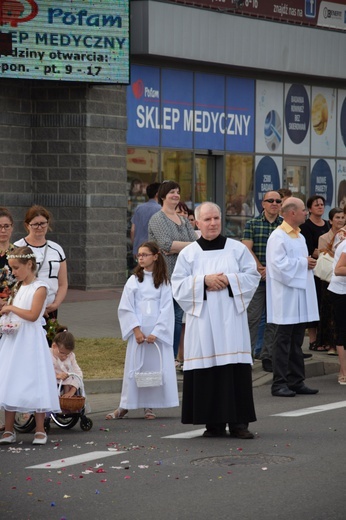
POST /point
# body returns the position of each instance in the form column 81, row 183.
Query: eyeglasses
column 144, row 255
column 6, row 227
column 39, row 224
column 271, row 201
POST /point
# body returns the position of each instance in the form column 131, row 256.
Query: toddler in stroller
column 70, row 388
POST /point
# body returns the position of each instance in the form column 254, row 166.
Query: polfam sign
column 63, row 40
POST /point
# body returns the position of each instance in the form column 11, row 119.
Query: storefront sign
column 321, row 181
column 304, row 12
column 68, row 41
column 179, row 109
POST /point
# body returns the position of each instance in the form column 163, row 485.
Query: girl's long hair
column 160, row 274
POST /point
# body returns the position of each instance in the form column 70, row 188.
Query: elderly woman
column 50, row 256
column 172, row 233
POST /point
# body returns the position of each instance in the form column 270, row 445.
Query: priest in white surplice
column 213, row 281
column 291, row 299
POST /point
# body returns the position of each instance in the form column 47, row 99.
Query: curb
column 260, row 378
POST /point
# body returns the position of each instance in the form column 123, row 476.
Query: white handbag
column 324, row 267
column 146, row 379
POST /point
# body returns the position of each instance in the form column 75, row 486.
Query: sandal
column 342, row 380
column 149, row 414
column 119, row 413
column 40, row 438
column 10, row 437
column 317, row 348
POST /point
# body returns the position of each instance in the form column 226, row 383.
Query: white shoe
column 40, row 440
column 9, row 439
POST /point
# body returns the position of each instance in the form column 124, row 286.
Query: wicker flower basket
column 147, row 379
column 72, row 404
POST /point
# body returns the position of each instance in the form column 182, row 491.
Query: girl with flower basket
column 146, row 317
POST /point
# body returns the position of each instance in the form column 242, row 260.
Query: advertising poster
column 321, row 181
column 68, row 41
column 297, row 119
column 323, row 121
column 340, row 200
column 143, row 107
column 341, row 124
column 269, row 117
column 268, row 175
column 177, row 104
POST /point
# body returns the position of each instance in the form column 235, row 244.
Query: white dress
column 27, row 378
column 152, row 310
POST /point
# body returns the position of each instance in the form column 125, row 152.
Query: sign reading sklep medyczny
column 64, row 40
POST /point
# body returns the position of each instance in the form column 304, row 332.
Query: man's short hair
column 198, row 209
column 152, row 189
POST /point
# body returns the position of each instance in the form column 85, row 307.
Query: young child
column 27, row 379
column 64, row 361
column 146, row 316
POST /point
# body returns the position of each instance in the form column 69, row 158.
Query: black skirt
column 221, row 394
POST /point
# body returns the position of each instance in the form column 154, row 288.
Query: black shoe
column 214, row 433
column 241, row 434
column 267, row 365
column 283, row 392
column 303, row 389
column 307, row 356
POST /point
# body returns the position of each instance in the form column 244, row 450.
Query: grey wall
column 64, row 146
column 187, row 33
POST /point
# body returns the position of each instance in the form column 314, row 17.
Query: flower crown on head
column 29, row 255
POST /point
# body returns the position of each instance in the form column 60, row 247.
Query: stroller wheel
column 65, row 421
column 24, row 422
column 85, row 423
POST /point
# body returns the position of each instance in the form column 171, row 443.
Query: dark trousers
column 288, row 361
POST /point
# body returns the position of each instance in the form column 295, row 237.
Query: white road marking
column 78, row 459
column 186, row 435
column 312, row 409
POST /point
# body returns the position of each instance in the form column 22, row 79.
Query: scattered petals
column 67, row 496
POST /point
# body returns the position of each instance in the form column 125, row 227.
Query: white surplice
column 291, row 293
column 152, row 310
column 217, row 331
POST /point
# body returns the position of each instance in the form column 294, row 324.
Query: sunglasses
column 271, row 201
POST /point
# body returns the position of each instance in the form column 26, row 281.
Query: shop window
column 142, row 169
column 177, row 166
column 239, row 196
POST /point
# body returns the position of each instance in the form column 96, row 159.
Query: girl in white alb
column 27, row 378
column 146, row 316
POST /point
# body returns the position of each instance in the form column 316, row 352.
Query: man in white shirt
column 291, row 299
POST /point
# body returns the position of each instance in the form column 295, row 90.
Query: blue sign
column 240, row 120
column 267, row 179
column 321, row 182
column 209, row 112
column 297, row 113
column 143, row 107
column 182, row 109
column 177, row 108
column 310, row 8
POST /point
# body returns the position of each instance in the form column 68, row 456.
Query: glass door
column 295, row 176
column 204, row 178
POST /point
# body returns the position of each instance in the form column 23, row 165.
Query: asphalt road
column 161, row 469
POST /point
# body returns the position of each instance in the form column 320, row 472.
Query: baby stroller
column 72, row 410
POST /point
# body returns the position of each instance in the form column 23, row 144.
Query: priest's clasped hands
column 216, row 282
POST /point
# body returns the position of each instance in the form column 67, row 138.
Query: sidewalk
column 93, row 314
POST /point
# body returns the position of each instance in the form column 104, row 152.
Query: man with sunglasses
column 256, row 233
